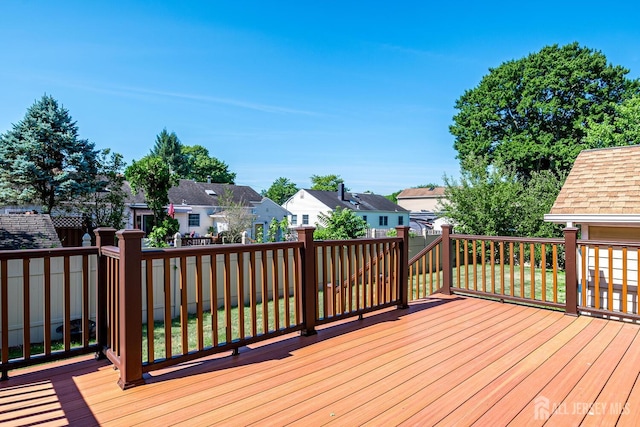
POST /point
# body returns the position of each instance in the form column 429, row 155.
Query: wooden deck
column 446, row 361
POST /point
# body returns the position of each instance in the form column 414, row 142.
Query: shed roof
column 27, row 231
column 602, row 182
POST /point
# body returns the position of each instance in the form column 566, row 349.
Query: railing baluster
column 47, row 306
column 276, row 293
column 543, row 267
column 227, row 298
column 584, row 273
column 150, row 306
column 168, row 352
column 623, row 296
column 285, row 287
column 184, row 307
column 26, row 307
column 66, row 286
column 4, row 308
column 265, row 291
column 610, row 287
column 253, row 293
column 502, row 268
column 596, row 281
column 199, row 303
column 532, row 271
column 240, row 293
column 213, row 291
column 492, row 266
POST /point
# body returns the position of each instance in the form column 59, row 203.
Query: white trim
column 594, row 218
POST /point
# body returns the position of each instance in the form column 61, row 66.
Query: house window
column 364, row 217
column 305, row 219
column 383, row 220
column 294, row 219
column 400, row 220
column 194, row 220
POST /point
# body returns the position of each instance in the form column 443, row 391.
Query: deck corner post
column 105, row 236
column 571, row 268
column 403, row 262
column 447, row 265
column 130, row 308
column 309, row 309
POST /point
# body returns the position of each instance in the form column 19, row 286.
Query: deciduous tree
column 202, row 167
column 341, row 224
column 153, row 177
column 531, row 114
column 280, row 191
column 326, row 182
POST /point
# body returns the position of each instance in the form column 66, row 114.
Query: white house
column 378, row 211
column 602, row 196
column 199, row 208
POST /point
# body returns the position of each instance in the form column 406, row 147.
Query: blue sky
column 364, row 90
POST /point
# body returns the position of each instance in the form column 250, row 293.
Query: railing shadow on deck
column 281, row 348
column 27, row 398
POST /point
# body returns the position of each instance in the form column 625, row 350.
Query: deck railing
column 169, row 306
column 47, row 305
column 608, row 278
column 155, row 308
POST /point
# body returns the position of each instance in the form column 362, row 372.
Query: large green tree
column 531, row 113
column 202, row 167
column 280, row 191
column 153, row 177
column 42, row 158
column 326, row 182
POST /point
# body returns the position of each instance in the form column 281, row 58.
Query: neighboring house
column 198, row 207
column 424, row 204
column 378, row 211
column 602, row 196
column 27, row 231
column 422, row 199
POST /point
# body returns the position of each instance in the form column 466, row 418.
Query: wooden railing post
column 104, row 237
column 570, row 268
column 447, row 261
column 130, row 308
column 403, row 263
column 309, row 295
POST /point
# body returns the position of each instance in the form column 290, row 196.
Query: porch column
column 447, row 265
column 309, row 293
column 403, row 263
column 130, row 308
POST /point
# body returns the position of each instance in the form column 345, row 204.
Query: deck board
column 447, row 359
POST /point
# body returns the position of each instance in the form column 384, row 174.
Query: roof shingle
column 602, row 181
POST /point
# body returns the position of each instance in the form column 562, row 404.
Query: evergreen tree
column 43, row 160
column 169, row 148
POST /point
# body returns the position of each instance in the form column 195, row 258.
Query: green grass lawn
column 469, row 279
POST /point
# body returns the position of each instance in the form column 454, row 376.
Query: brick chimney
column 341, row 191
